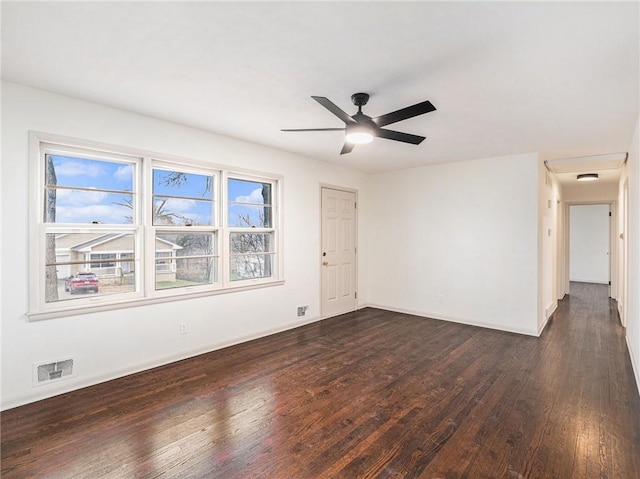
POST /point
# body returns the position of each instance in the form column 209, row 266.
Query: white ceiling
column 506, row 77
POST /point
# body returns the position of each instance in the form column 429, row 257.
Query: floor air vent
column 53, row 371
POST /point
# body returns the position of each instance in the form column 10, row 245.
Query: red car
column 81, row 282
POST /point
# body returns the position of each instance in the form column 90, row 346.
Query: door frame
column 355, row 239
column 624, row 246
column 613, row 250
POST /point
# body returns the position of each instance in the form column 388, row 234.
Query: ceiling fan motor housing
column 360, row 99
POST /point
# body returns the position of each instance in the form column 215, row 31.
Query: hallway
column 595, row 418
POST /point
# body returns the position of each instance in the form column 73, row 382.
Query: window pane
column 248, row 259
column 249, row 216
column 182, row 199
column 81, row 206
column 185, row 259
column 77, row 265
column 127, row 266
column 252, row 192
column 83, row 190
column 186, row 244
column 85, row 173
column 103, row 260
column 185, row 185
column 242, row 243
column 182, row 212
column 251, row 266
column 179, row 273
column 249, row 204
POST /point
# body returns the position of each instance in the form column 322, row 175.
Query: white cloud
column 79, row 197
column 254, row 197
column 114, row 214
column 82, row 206
column 79, row 168
column 178, row 205
column 124, row 173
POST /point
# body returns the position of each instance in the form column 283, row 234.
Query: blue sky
column 81, row 206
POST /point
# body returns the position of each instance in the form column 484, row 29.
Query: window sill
column 132, row 303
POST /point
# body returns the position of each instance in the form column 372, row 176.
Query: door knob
column 325, row 263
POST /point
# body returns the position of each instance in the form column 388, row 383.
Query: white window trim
column 145, row 293
column 275, row 229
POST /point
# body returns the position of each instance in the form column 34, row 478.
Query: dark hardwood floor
column 363, row 395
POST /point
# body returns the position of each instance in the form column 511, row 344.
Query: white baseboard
column 468, row 322
column 87, row 381
column 635, row 366
column 589, row 281
column 549, row 310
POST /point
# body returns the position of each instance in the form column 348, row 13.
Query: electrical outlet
column 183, row 328
column 302, row 311
column 441, row 298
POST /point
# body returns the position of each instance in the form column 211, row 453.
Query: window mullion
column 145, row 210
column 224, row 230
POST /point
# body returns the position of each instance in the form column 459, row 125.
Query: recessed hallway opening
column 367, row 394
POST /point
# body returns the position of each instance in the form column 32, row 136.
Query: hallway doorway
column 590, row 245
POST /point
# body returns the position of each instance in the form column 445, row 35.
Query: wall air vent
column 52, row 371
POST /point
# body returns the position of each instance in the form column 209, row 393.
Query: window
column 184, row 211
column 87, row 213
column 251, row 235
column 148, row 228
column 103, row 263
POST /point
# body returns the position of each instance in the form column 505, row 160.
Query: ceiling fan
column 361, row 128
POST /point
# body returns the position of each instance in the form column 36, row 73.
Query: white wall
column 590, row 192
column 589, row 243
column 110, row 344
column 548, row 237
column 458, row 241
column 632, row 172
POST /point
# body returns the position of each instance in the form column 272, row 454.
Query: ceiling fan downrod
column 359, row 100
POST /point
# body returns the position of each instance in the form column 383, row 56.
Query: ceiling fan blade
column 404, row 113
column 399, row 136
column 347, row 148
column 325, row 102
column 312, row 129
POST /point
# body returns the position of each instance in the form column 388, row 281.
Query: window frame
column 274, row 229
column 162, row 164
column 143, row 229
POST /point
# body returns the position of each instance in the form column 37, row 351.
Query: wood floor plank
column 369, row 394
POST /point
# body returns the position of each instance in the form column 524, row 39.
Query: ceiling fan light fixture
column 359, row 137
column 361, row 128
column 587, row 177
column 358, row 134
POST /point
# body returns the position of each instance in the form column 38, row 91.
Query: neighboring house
column 104, row 255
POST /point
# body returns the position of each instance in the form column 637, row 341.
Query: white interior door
column 338, row 252
column 589, row 243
